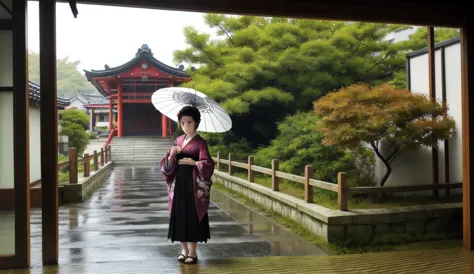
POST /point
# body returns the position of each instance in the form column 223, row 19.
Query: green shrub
column 299, row 144
column 74, row 124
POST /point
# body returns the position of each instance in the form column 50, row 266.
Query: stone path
column 123, row 229
column 127, row 219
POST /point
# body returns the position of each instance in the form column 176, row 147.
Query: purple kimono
column 201, row 174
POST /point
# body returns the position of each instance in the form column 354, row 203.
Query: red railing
column 111, row 136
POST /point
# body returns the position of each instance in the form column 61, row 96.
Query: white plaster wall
column 6, row 106
column 35, row 144
column 76, row 104
column 414, row 167
column 6, row 139
column 453, row 98
column 6, row 118
column 102, row 124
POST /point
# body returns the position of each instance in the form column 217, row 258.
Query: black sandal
column 182, row 258
column 194, row 260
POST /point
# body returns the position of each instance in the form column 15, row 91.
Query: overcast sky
column 111, row 35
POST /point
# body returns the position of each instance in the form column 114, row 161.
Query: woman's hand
column 174, row 150
column 187, row 161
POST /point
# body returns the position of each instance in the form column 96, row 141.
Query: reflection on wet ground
column 123, row 229
column 127, row 219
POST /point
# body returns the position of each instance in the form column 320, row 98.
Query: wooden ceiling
column 416, row 12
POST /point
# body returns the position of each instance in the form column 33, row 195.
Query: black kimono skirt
column 184, row 223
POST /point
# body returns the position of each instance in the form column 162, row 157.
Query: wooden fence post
column 101, row 156
column 342, row 192
column 250, row 176
column 72, row 165
column 308, row 189
column 275, row 181
column 110, row 154
column 87, row 164
column 106, row 154
column 96, row 160
column 218, row 160
column 230, row 164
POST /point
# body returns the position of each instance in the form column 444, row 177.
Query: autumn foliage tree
column 361, row 114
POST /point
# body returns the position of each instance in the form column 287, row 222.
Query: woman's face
column 188, row 125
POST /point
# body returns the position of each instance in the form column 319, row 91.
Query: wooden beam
column 6, row 24
column 111, row 125
column 467, row 86
column 402, row 11
column 432, row 90
column 49, row 131
column 447, row 180
column 6, row 89
column 7, row 261
column 21, row 143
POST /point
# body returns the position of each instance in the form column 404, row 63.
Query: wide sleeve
column 205, row 165
column 171, row 173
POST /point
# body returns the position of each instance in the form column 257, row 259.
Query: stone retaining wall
column 358, row 226
column 76, row 193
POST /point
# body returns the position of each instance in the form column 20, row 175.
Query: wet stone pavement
column 127, row 220
column 123, row 229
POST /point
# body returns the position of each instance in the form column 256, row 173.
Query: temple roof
column 90, row 99
column 143, row 54
column 34, row 90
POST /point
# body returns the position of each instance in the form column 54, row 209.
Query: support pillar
column 120, row 110
column 467, row 89
column 164, row 125
column 110, row 114
column 49, row 131
column 21, row 143
column 432, row 90
column 170, row 130
column 91, row 120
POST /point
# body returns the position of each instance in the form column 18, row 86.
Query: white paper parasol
column 171, row 100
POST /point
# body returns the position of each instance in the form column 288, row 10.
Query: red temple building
column 128, row 89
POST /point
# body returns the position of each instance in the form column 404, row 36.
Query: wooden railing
column 73, row 162
column 341, row 188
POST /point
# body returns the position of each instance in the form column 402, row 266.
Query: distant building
column 128, row 89
column 97, row 106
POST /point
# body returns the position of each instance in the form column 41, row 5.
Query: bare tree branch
column 226, row 33
column 379, row 62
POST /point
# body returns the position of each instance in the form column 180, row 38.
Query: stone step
column 143, row 151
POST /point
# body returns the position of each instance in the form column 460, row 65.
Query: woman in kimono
column 188, row 168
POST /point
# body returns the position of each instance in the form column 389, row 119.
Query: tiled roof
column 87, row 99
column 143, row 53
column 35, row 95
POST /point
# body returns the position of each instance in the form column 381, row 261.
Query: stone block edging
column 76, row 193
column 356, row 225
